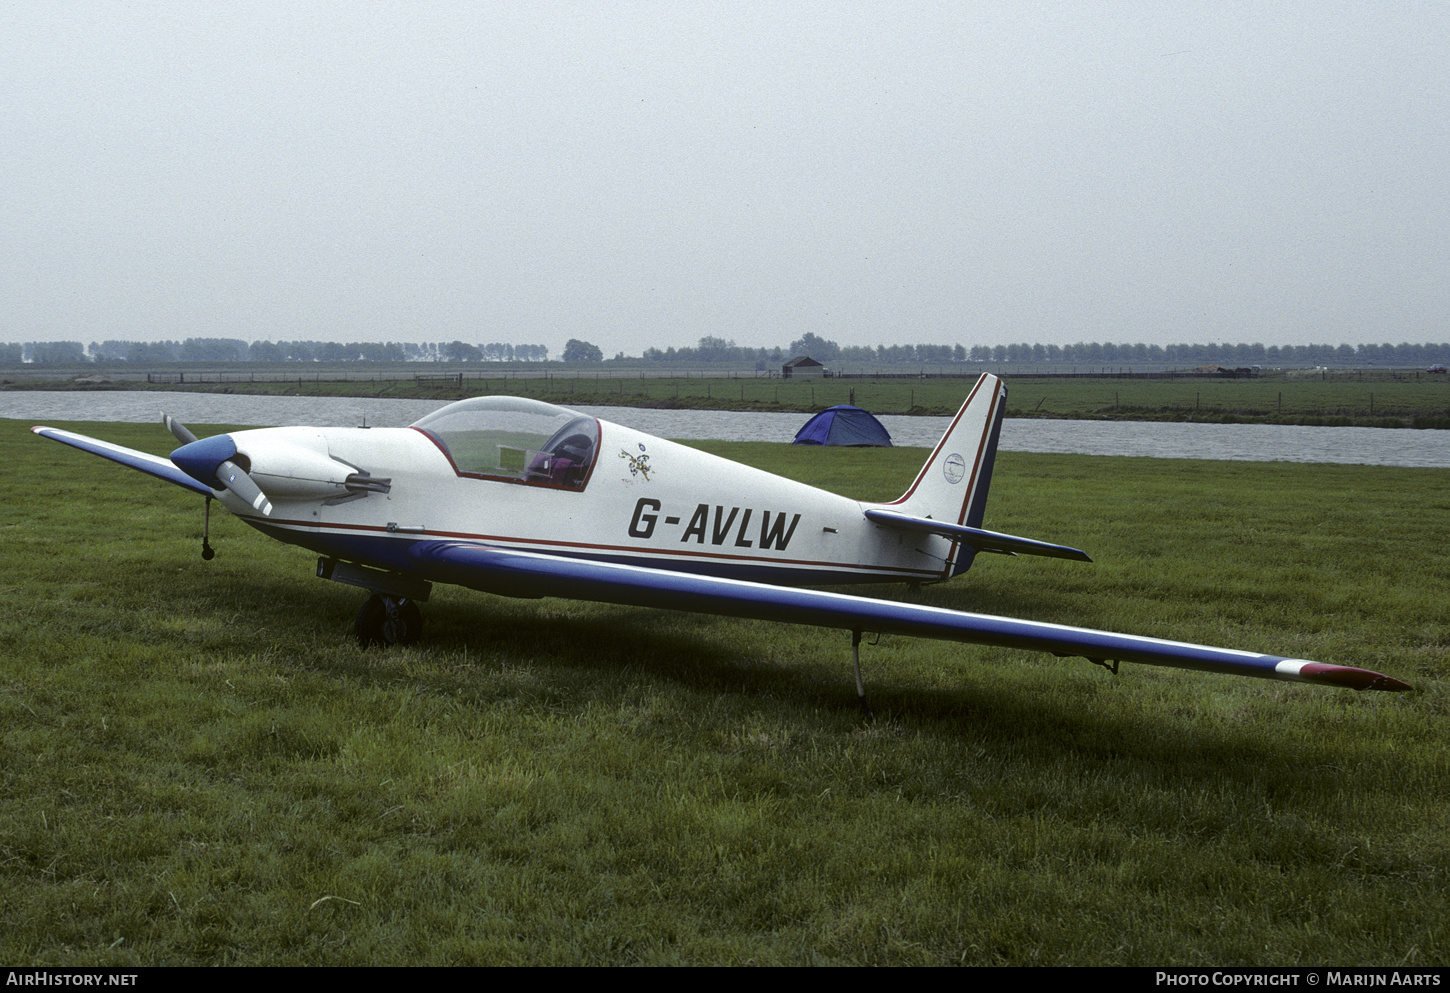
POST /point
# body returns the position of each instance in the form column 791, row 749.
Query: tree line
column 237, row 350
column 1225, row 353
column 713, row 350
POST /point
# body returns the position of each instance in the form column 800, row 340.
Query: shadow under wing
column 528, row 574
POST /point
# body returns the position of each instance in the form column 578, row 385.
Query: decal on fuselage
column 718, row 525
column 638, row 464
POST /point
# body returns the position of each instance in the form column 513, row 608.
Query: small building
column 802, row 367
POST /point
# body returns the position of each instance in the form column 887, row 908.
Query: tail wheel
column 385, row 621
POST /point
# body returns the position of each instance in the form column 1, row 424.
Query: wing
column 152, row 465
column 528, row 574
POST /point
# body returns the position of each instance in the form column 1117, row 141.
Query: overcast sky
column 644, row 174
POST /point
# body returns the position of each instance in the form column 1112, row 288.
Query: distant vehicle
column 1437, row 368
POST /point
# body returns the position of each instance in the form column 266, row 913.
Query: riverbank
column 1408, row 402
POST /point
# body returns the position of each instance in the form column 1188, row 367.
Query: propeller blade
column 235, row 479
column 182, row 433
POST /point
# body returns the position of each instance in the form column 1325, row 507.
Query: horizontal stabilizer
column 529, row 574
column 978, row 539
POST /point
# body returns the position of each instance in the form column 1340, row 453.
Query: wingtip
column 1393, row 684
column 1350, row 677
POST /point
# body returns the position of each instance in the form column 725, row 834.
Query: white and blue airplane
column 526, row 499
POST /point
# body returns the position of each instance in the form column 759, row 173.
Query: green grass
column 198, row 766
column 1334, row 399
column 1385, row 398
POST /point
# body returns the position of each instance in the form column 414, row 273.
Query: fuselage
column 595, row 490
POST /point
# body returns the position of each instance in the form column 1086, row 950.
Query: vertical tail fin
column 949, row 497
column 952, row 486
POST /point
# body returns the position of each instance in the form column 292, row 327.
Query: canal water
column 1157, row 439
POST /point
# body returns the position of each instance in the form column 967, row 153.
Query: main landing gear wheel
column 386, row 620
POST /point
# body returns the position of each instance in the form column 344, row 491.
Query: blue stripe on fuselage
column 395, row 552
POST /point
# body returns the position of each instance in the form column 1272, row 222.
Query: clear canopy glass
column 513, row 438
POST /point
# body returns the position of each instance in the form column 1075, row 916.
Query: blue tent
column 843, row 426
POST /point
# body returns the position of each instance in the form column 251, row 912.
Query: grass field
column 198, row 765
column 1405, row 399
column 1407, row 402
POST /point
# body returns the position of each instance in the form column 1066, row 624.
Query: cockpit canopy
column 517, row 439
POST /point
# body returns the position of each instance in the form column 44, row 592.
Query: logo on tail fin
column 954, row 468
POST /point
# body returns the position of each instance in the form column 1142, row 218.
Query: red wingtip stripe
column 1355, row 679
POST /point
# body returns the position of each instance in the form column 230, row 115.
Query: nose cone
column 200, row 459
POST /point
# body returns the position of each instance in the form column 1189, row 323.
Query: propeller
column 181, row 431
column 209, row 460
